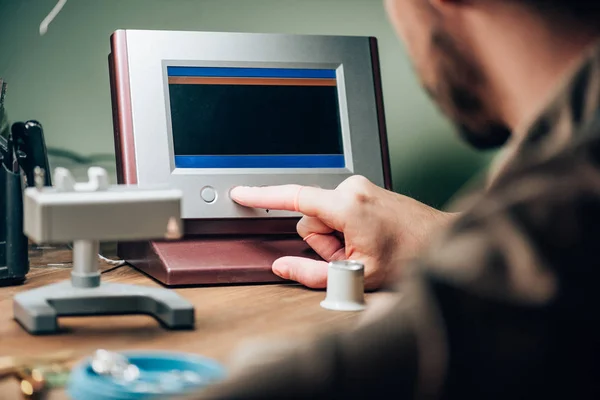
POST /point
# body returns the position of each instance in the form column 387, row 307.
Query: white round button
column 208, row 194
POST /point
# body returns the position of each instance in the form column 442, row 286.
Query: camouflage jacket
column 505, row 304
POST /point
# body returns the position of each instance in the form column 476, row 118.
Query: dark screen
column 221, row 119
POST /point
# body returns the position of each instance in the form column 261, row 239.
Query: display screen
column 255, row 118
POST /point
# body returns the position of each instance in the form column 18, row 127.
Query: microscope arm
column 86, row 214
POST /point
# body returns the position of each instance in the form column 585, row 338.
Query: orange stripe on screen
column 199, row 80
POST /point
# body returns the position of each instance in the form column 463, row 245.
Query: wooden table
column 225, row 318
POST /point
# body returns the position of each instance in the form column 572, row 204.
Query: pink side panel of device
column 383, row 138
column 122, row 114
column 142, row 256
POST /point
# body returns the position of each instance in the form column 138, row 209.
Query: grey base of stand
column 37, row 310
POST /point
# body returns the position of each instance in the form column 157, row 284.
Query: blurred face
column 438, row 47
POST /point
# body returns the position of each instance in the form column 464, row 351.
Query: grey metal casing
column 38, row 310
column 118, row 213
column 150, row 52
column 87, row 213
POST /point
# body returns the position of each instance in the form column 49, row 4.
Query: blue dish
column 157, row 370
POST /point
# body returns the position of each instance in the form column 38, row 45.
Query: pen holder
column 14, row 257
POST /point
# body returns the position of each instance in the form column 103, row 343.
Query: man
column 500, row 301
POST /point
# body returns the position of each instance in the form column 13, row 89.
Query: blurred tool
column 14, row 260
column 153, row 375
column 345, row 286
column 36, row 382
column 2, row 91
column 22, row 149
column 11, row 365
column 4, row 128
column 30, row 147
column 53, row 14
column 38, row 375
column 85, row 214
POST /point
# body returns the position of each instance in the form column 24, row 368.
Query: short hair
column 586, row 11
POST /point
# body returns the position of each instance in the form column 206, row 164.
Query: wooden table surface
column 226, row 317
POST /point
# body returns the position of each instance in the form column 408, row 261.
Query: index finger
column 307, row 200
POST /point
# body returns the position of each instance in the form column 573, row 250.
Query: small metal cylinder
column 85, row 273
column 345, row 286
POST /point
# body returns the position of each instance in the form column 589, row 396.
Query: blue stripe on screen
column 226, row 72
column 278, row 161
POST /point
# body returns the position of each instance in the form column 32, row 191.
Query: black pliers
column 26, row 146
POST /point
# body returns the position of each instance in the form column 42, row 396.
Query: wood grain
column 226, row 317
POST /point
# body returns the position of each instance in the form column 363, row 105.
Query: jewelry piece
column 115, row 365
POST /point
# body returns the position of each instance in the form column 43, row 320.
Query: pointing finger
column 307, row 200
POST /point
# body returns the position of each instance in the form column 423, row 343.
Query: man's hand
column 357, row 221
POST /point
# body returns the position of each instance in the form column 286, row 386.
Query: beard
column 456, row 92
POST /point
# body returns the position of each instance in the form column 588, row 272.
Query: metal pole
column 86, row 273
